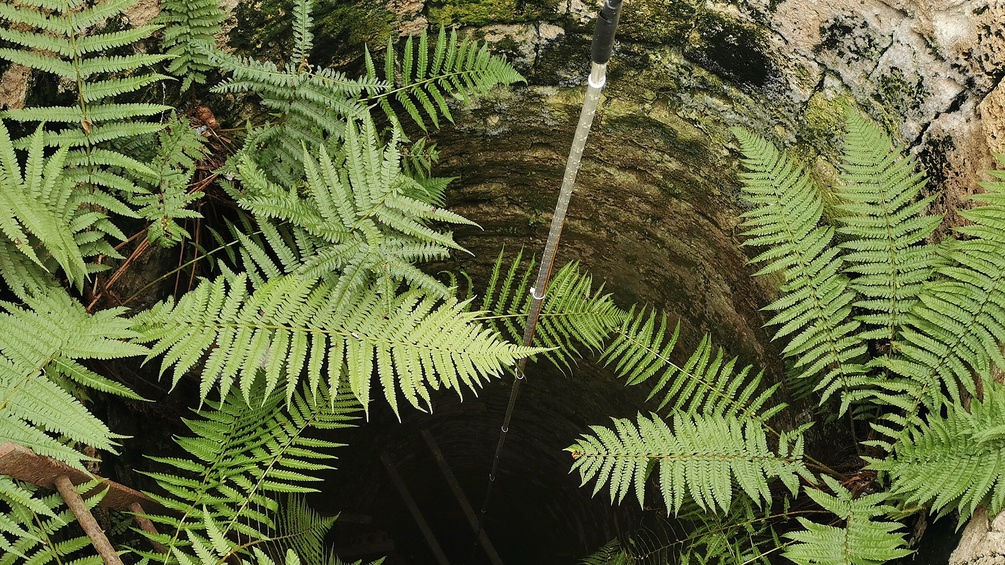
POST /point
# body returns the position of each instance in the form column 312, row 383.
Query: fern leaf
column 815, row 313
column 951, row 338
column 955, row 461
column 573, row 314
column 81, row 58
column 190, row 30
column 356, row 210
column 38, row 526
column 458, row 70
column 180, row 148
column 862, row 541
column 698, row 457
column 412, row 341
column 41, row 342
column 241, row 458
column 641, row 349
column 878, row 196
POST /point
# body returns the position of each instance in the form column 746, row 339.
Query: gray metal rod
column 595, row 84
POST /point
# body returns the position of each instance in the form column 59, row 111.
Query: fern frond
column 422, row 85
column 951, row 338
column 180, row 148
column 698, row 457
column 356, row 209
column 41, row 344
column 79, row 56
column 815, row 312
column 37, row 202
column 190, row 30
column 294, row 325
column 241, row 458
column 38, row 524
column 641, row 349
column 862, row 541
column 955, row 461
column 573, row 313
column 881, row 216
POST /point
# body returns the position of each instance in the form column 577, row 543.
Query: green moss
column 484, row 12
column 265, row 29
column 666, row 22
column 824, row 118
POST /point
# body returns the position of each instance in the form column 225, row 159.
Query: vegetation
column 310, row 297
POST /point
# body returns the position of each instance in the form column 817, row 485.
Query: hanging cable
column 600, row 52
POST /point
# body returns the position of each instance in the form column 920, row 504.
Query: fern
column 179, row 150
column 698, row 456
column 43, row 344
column 364, row 226
column 311, row 106
column 190, row 30
column 862, row 541
column 572, row 315
column 60, row 41
column 241, row 458
column 953, row 462
column 427, row 75
column 705, row 385
column 38, row 202
column 294, row 325
column 39, row 524
column 951, row 338
column 885, row 251
column 815, row 312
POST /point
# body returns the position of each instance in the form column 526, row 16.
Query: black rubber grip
column 603, row 34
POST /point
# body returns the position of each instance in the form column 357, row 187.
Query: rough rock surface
column 983, row 543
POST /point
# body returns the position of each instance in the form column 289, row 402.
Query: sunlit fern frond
column 951, row 339
column 701, row 458
column 42, row 344
column 885, row 231
column 815, row 312
column 241, row 459
column 574, row 313
column 863, row 540
column 706, row 384
column 427, row 75
column 295, row 328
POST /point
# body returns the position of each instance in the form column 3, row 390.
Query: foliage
column 190, row 30
column 696, row 455
column 179, row 150
column 358, row 217
column 297, row 328
column 44, row 341
column 862, row 540
column 421, row 85
column 955, row 461
column 240, row 456
column 321, row 297
column 38, row 524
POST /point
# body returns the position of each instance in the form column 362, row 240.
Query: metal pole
column 602, row 47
